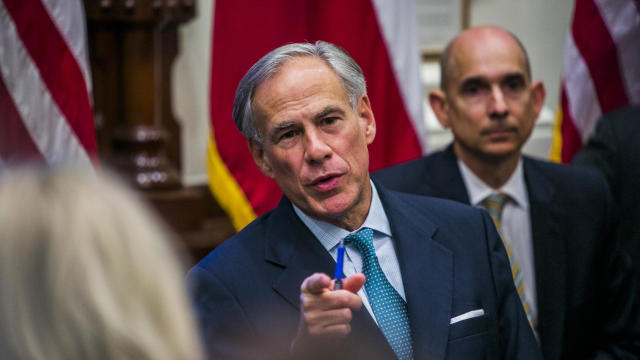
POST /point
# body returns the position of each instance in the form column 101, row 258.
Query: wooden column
column 132, row 46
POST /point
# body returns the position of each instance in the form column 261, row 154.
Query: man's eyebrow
column 481, row 79
column 278, row 129
column 514, row 76
column 328, row 110
column 283, row 126
column 474, row 80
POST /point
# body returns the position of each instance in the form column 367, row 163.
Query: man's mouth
column 499, row 132
column 326, row 182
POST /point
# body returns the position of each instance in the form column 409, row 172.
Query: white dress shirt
column 516, row 223
column 330, row 235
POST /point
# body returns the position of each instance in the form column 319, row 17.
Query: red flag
column 601, row 70
column 45, row 85
column 379, row 35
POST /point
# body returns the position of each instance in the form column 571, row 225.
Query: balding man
column 575, row 283
column 427, row 278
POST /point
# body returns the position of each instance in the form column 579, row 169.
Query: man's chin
column 501, row 151
column 332, row 209
column 487, row 151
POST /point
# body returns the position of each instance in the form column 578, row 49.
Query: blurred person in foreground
column 426, row 278
column 575, row 282
column 87, row 273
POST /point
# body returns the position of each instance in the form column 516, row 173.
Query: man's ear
column 260, row 158
column 365, row 114
column 438, row 102
column 538, row 93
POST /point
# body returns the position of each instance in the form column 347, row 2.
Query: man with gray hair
column 426, row 278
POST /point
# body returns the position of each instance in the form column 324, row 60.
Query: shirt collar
column 478, row 190
column 329, row 235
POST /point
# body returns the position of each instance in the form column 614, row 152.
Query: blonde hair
column 87, row 273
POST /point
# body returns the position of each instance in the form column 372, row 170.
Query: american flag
column 45, row 84
column 601, row 70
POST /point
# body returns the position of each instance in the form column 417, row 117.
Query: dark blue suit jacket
column 247, row 291
column 614, row 150
column 588, row 301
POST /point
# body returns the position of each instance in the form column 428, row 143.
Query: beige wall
column 191, row 75
column 541, row 25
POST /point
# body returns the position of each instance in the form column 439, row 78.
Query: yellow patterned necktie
column 494, row 204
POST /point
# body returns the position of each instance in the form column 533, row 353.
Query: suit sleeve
column 600, row 152
column 618, row 296
column 515, row 337
column 224, row 327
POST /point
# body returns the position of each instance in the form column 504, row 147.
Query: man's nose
column 497, row 103
column 316, row 148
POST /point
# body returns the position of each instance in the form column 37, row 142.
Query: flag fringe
column 556, row 139
column 226, row 190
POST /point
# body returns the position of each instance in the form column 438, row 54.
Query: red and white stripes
column 399, row 28
column 601, row 67
column 45, row 84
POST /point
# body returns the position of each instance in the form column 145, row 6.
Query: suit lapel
column 427, row 274
column 548, row 244
column 290, row 245
column 443, row 179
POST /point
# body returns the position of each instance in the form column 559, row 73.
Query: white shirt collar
column 478, row 190
column 329, row 235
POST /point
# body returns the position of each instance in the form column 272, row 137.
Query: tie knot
column 363, row 239
column 494, row 204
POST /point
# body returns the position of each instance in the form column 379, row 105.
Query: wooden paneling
column 132, row 47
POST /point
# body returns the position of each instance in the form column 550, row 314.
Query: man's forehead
column 301, row 83
column 487, row 57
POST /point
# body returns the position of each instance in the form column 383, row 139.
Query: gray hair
column 337, row 58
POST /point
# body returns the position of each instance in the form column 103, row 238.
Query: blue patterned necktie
column 387, row 305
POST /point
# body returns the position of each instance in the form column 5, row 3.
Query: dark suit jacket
column 614, row 150
column 588, row 302
column 247, row 291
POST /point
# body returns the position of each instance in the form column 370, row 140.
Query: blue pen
column 338, row 275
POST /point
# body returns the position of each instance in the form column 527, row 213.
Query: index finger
column 316, row 283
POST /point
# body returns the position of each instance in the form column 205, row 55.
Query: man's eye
column 473, row 89
column 329, row 120
column 288, row 135
column 515, row 84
